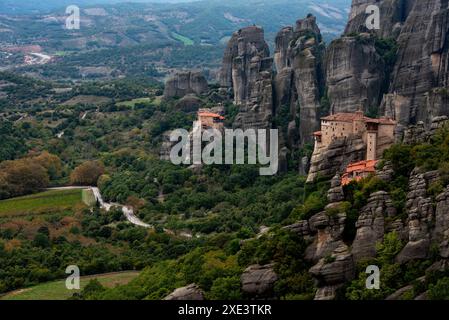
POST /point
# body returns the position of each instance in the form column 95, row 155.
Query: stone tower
column 371, row 140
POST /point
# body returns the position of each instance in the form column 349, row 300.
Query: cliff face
column 418, row 90
column 393, row 15
column 299, row 81
column 354, row 74
column 422, row 227
column 247, row 71
column 261, row 94
column 409, row 85
column 248, row 40
column 183, row 83
column 327, row 161
column 418, row 81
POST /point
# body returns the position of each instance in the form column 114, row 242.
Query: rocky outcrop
column 282, row 54
column 354, row 74
column 256, row 106
column 371, row 225
column 299, row 81
column 335, row 193
column 385, row 171
column 247, row 72
column 326, row 162
column 441, row 231
column 183, row 83
column 189, row 103
column 301, row 228
column 329, row 230
column 258, row 281
column 248, row 40
column 419, row 208
column 420, row 78
column 393, row 14
column 333, row 271
column 419, row 133
column 190, row 292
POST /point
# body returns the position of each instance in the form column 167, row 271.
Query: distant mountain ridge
column 28, row 7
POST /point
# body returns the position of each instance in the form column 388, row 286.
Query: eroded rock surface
column 354, row 74
column 299, row 81
column 247, row 71
column 190, row 292
column 258, row 281
column 420, row 216
column 183, row 83
column 420, row 77
column 371, row 225
column 326, row 162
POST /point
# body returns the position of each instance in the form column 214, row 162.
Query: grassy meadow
column 44, row 201
column 183, row 39
column 57, row 290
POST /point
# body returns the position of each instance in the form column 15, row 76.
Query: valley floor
column 57, row 290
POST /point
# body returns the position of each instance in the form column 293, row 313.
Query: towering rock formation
column 299, row 81
column 183, row 83
column 418, row 90
column 294, row 95
column 354, row 74
column 247, row 71
column 393, row 14
column 249, row 41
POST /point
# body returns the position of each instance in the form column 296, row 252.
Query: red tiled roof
column 365, row 166
column 211, row 115
column 349, row 117
column 359, row 168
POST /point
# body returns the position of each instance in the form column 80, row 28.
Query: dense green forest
column 209, row 224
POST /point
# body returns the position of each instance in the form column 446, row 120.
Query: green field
column 62, row 53
column 57, row 290
column 183, row 39
column 132, row 103
column 158, row 100
column 40, row 202
column 88, row 197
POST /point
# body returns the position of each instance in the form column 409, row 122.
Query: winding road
column 127, row 211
